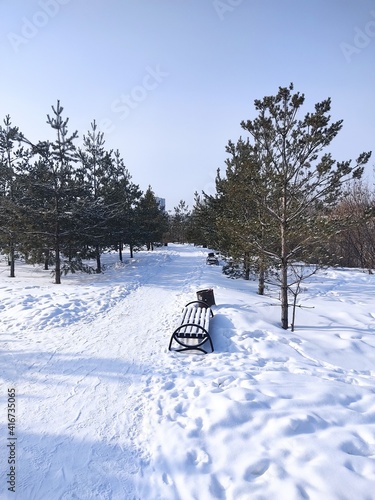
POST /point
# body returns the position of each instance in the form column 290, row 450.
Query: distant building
column 161, row 202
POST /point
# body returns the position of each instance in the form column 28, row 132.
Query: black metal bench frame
column 196, row 331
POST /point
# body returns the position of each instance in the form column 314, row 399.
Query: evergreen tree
column 96, row 171
column 152, row 221
column 35, row 199
column 178, row 223
column 298, row 184
column 12, row 160
column 202, row 227
column 242, row 223
column 59, row 187
column 272, row 208
column 122, row 197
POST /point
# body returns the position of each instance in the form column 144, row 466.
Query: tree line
column 61, row 204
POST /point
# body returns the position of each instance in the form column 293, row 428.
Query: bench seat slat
column 189, row 317
column 198, row 316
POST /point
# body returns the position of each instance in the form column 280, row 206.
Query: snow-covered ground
column 105, row 411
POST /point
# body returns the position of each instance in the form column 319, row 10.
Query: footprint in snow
column 199, row 458
column 193, row 428
column 168, row 386
column 166, row 479
column 256, row 470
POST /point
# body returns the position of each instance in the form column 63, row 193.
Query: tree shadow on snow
column 83, row 446
column 28, row 366
column 65, row 466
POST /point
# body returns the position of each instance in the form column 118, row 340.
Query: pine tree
column 178, row 223
column 298, row 184
column 12, row 160
column 152, row 222
column 122, row 197
column 35, row 199
column 202, row 228
column 96, row 171
column 241, row 220
column 60, row 186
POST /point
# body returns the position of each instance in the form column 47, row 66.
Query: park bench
column 192, row 332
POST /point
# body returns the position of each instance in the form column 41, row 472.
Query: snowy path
column 105, row 411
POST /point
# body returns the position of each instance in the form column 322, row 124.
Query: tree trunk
column 12, row 261
column 98, row 262
column 284, row 269
column 262, row 270
column 284, row 295
column 261, row 284
column 46, row 260
column 57, row 264
column 120, row 251
column 131, row 250
column 246, row 266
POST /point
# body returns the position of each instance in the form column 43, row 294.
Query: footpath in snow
column 105, row 411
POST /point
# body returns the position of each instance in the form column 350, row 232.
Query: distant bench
column 193, row 330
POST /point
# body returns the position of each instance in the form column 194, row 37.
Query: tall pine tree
column 281, row 185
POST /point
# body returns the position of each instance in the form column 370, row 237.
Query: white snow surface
column 106, row 411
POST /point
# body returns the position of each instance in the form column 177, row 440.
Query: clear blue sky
column 169, row 81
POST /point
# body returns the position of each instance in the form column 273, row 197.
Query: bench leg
column 189, row 347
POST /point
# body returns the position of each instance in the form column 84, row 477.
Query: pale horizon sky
column 169, row 81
